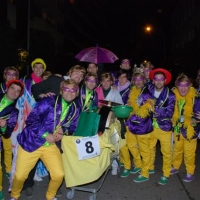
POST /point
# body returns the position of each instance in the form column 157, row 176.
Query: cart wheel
column 70, row 194
column 93, row 197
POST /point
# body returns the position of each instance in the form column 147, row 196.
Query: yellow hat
column 38, row 60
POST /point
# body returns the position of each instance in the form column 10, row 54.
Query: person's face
column 122, row 79
column 13, row 92
column 38, row 69
column 69, row 92
column 92, row 68
column 146, row 72
column 138, row 81
column 183, row 88
column 125, row 64
column 106, row 83
column 77, row 76
column 159, row 81
column 90, row 83
column 10, row 75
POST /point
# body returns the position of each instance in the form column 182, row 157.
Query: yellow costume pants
column 125, row 157
column 139, row 147
column 183, row 147
column 50, row 156
column 7, row 147
column 166, row 148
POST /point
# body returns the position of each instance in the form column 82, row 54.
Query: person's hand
column 50, row 138
column 197, row 115
column 58, row 134
column 2, row 123
column 58, row 75
column 47, row 94
column 193, row 121
column 58, row 137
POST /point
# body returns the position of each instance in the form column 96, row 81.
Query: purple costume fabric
column 82, row 97
column 136, row 124
column 10, row 113
column 28, row 82
column 3, row 88
column 196, row 108
column 125, row 93
column 164, row 108
column 44, row 117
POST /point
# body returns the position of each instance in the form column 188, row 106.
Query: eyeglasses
column 10, row 74
column 70, row 90
column 183, row 84
column 159, row 79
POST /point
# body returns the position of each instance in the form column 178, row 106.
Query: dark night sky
column 119, row 26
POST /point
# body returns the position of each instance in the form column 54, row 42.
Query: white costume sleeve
column 114, row 96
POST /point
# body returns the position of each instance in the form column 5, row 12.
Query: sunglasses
column 10, row 74
column 183, row 84
column 70, row 90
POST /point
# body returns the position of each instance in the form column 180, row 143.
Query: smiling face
column 106, row 83
column 92, row 68
column 183, row 88
column 125, row 64
column 77, row 76
column 69, row 92
column 146, row 72
column 10, row 75
column 122, row 79
column 13, row 92
column 90, row 83
column 138, row 81
column 159, row 81
column 38, row 69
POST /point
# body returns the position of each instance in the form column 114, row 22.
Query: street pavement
column 116, row 188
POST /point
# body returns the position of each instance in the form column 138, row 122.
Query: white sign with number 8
column 88, row 147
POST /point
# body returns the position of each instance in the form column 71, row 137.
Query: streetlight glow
column 148, row 28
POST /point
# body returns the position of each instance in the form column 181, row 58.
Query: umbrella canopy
column 96, row 55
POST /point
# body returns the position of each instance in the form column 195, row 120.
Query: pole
column 28, row 34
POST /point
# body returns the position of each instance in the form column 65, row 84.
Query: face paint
column 138, row 78
column 125, row 62
column 90, row 80
column 159, row 79
column 180, row 84
column 72, row 90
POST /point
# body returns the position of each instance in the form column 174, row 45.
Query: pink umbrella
column 96, row 55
